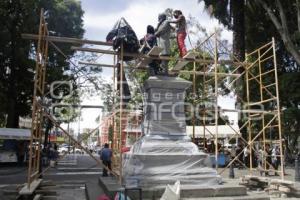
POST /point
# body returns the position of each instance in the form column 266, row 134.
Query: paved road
column 84, row 168
column 78, row 167
column 72, row 167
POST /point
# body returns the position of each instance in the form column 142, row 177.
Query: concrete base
column 29, row 190
column 229, row 190
column 157, row 160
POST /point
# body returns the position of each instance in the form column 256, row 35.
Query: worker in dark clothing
column 148, row 42
column 106, row 155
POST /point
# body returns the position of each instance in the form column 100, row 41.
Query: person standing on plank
column 147, row 43
column 180, row 31
column 163, row 33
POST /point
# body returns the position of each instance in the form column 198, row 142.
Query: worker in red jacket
column 180, row 31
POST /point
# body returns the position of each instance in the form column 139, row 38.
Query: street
column 83, row 168
column 72, row 168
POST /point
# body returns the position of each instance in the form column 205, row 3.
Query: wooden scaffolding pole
column 194, row 100
column 249, row 129
column 216, row 99
column 121, row 109
column 38, row 94
column 278, row 111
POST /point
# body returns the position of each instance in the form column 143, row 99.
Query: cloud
column 101, row 15
column 139, row 14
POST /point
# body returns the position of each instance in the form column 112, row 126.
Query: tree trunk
column 47, row 130
column 238, row 45
column 12, row 113
column 238, row 28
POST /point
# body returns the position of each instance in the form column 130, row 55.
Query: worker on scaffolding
column 147, row 43
column 163, row 33
column 180, row 31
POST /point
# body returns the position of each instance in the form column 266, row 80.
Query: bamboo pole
column 216, row 98
column 114, row 92
column 249, row 124
column 34, row 126
column 204, row 114
column 194, row 99
column 278, row 110
column 121, row 109
column 263, row 116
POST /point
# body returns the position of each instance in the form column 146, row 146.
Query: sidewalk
column 289, row 173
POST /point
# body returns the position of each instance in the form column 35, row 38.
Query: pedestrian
column 275, row 159
column 268, row 159
column 233, row 154
column 106, row 155
column 147, row 43
column 239, row 153
column 246, row 157
column 163, row 33
column 20, row 152
column 180, row 31
column 260, row 160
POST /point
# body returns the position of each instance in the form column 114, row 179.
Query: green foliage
column 17, row 56
column 259, row 29
column 108, row 96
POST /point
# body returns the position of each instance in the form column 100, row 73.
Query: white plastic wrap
column 172, row 192
column 165, row 153
column 154, row 161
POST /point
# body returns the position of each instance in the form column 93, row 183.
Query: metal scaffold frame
column 212, row 76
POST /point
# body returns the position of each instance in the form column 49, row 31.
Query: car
column 63, row 149
column 78, row 151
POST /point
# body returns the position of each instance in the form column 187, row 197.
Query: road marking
column 75, row 168
column 76, row 173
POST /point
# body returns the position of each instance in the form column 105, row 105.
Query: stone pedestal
column 165, row 153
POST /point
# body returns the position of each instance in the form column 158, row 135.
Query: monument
column 165, row 154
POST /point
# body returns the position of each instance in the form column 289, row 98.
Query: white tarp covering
column 15, row 133
column 224, row 131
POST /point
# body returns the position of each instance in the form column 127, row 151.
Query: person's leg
column 109, row 166
column 104, row 173
column 276, row 165
column 181, row 45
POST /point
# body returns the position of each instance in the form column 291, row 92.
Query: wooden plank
column 155, row 51
column 137, row 55
column 29, row 190
column 96, row 64
column 190, row 55
column 37, row 197
column 180, row 64
column 66, row 40
column 143, row 63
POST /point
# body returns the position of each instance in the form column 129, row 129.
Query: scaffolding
column 257, row 73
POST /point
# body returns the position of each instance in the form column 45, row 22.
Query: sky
column 101, row 15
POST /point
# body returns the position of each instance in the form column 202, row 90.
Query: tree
column 232, row 15
column 17, row 55
column 285, row 15
column 263, row 23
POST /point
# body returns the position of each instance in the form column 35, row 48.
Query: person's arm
column 176, row 21
column 101, row 156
